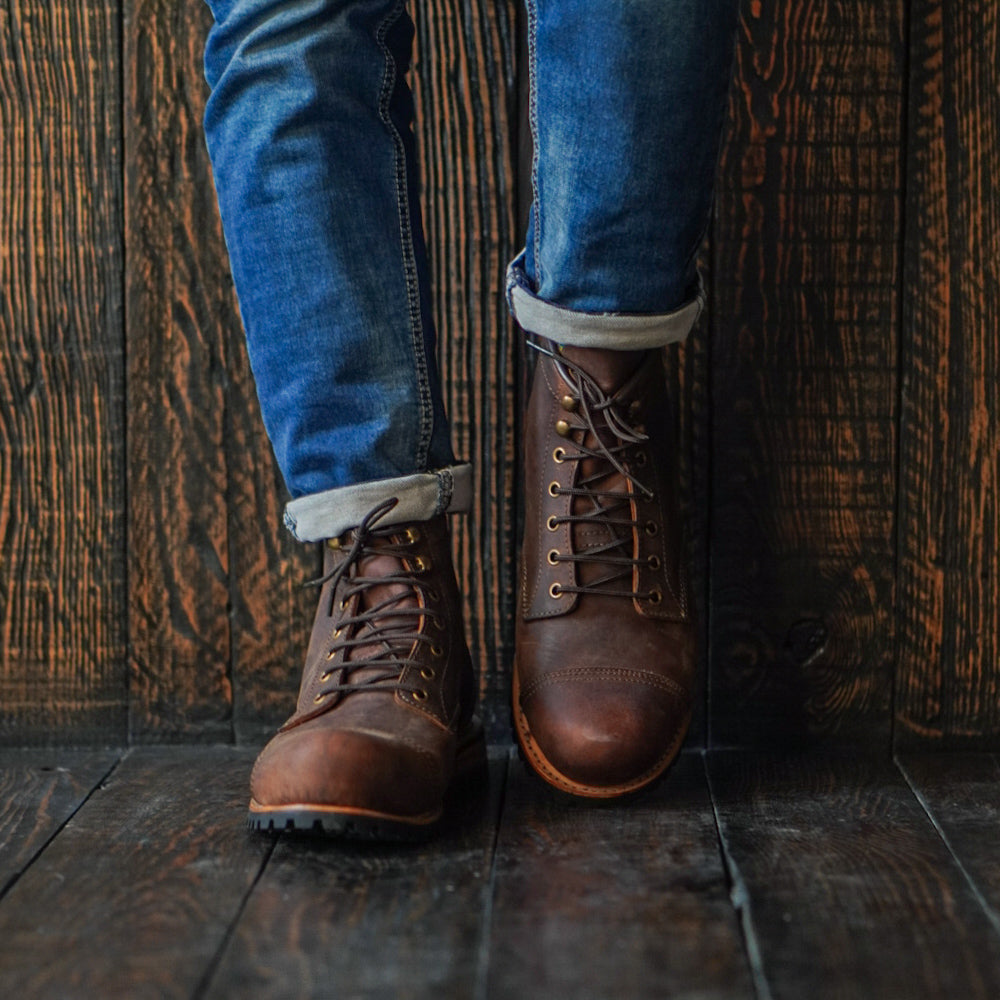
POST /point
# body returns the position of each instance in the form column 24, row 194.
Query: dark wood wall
column 839, row 396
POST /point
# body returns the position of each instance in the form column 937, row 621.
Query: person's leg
column 627, row 103
column 308, row 126
column 309, row 129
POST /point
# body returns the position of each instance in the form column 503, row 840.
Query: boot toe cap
column 347, row 770
column 601, row 737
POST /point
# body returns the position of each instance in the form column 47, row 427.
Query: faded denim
column 309, row 129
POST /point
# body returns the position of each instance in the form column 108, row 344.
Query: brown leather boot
column 385, row 721
column 605, row 655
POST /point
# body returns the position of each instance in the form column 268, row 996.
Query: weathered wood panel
column 466, row 91
column 846, row 889
column 621, row 901
column 370, row 920
column 219, row 620
column 136, row 895
column 39, row 791
column 179, row 307
column 961, row 793
column 948, row 689
column 62, row 478
column 803, row 376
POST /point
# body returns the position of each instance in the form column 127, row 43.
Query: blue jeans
column 309, row 129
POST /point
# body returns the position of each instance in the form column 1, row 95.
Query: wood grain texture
column 365, row 920
column 803, row 389
column 846, row 888
column 961, row 792
column 465, row 88
column 218, row 619
column 39, row 791
column 62, row 529
column 179, row 299
column 949, row 551
column 687, row 367
column 621, row 901
column 135, row 895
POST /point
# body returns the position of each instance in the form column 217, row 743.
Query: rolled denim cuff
column 609, row 330
column 421, row 496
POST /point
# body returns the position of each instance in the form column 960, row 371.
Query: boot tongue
column 610, row 369
column 378, row 565
column 400, row 594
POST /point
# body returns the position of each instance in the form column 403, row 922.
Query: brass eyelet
column 422, row 563
column 343, row 604
column 326, row 675
column 651, row 528
column 559, row 455
column 413, row 535
column 333, row 543
column 319, row 698
column 653, row 562
column 551, row 523
column 554, row 488
column 437, row 651
column 555, row 591
column 553, row 557
column 563, row 428
column 640, row 459
column 420, row 695
column 569, row 403
column 431, row 594
column 655, row 597
column 428, row 674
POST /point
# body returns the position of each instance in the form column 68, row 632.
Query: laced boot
column 605, row 653
column 384, row 722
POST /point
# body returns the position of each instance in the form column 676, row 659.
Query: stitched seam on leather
column 539, row 588
column 603, row 673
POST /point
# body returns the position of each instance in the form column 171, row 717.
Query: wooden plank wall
column 803, row 375
column 842, row 430
column 949, row 542
column 62, row 415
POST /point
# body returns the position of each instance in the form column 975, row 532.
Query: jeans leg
column 309, row 129
column 627, row 101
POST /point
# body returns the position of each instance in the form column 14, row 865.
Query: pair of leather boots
column 604, row 663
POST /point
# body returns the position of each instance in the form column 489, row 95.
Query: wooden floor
column 130, row 874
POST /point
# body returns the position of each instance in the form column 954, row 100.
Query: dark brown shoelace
column 598, row 419
column 390, row 627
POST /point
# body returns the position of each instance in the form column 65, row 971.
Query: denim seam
column 533, row 125
column 446, row 489
column 410, row 276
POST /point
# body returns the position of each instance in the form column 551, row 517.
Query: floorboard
column 847, row 888
column 39, row 791
column 335, row 919
column 136, row 894
column 628, row 900
column 740, row 876
column 961, row 793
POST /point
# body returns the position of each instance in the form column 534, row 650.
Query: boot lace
column 389, row 628
column 596, row 501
